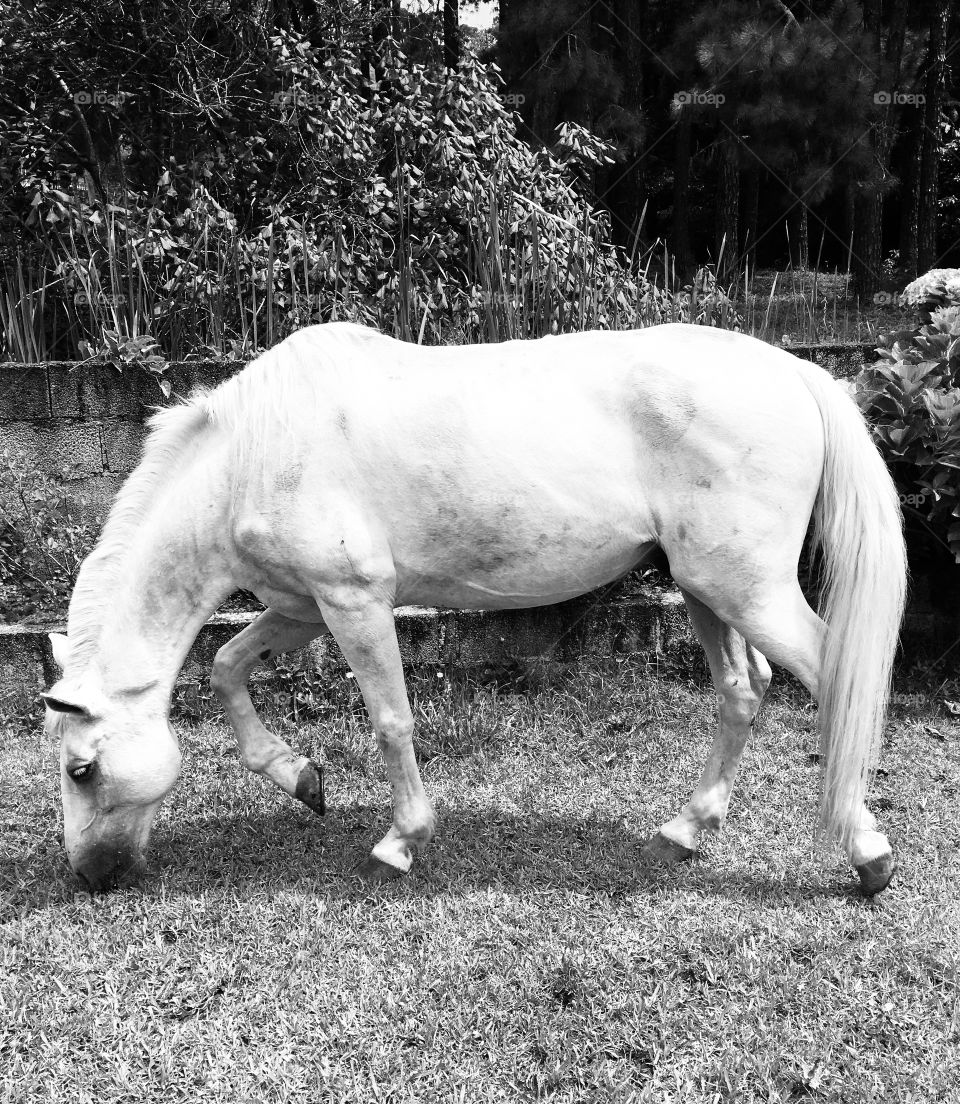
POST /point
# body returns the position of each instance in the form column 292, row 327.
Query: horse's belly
column 482, row 569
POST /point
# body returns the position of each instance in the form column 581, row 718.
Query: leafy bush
column 44, row 536
column 390, row 192
column 912, row 402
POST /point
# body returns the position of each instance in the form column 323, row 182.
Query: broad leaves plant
column 912, row 401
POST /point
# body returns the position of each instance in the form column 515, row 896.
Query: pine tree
column 793, row 105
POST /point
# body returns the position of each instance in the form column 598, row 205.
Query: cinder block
column 186, row 376
column 102, row 391
column 51, row 445
column 106, row 392
column 122, row 444
column 626, row 627
column 23, row 392
column 653, row 623
column 418, row 633
column 507, row 636
column 64, row 382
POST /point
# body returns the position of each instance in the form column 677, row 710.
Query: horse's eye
column 81, row 773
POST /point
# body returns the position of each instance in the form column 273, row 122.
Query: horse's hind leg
column 741, row 676
column 262, row 751
column 366, row 632
column 788, row 631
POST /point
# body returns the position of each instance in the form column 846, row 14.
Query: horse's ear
column 60, row 646
column 67, row 702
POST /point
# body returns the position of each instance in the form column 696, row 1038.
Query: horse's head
column 118, row 760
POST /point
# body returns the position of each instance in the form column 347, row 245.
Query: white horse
column 344, row 473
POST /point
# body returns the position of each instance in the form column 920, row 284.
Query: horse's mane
column 283, row 390
column 170, row 430
column 253, row 408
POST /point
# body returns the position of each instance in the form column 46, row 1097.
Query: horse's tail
column 858, row 527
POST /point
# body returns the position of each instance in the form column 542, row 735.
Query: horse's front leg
column 365, row 629
column 262, row 751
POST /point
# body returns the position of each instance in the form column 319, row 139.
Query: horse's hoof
column 310, row 788
column 377, row 872
column 876, row 874
column 661, row 849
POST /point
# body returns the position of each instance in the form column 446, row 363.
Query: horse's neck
column 172, row 575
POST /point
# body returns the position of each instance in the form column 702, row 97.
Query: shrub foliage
column 389, row 191
column 912, row 402
column 44, row 536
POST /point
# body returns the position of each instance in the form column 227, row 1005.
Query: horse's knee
column 231, row 668
column 223, row 680
column 394, row 731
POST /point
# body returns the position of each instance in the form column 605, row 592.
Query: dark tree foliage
column 578, row 61
column 794, row 121
column 771, row 129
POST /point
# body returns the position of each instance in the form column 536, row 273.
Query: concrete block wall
column 651, row 624
column 91, row 417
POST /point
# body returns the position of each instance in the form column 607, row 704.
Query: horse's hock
column 92, row 418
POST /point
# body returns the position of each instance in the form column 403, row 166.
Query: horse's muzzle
column 104, row 869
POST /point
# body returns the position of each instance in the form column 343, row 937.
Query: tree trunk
column 868, row 215
column 727, row 210
column 930, row 153
column 798, row 223
column 865, row 261
column 849, row 224
column 910, row 203
column 451, row 34
column 750, row 206
column 682, row 253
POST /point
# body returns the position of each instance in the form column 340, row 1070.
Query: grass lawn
column 530, row 955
